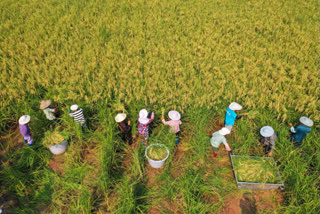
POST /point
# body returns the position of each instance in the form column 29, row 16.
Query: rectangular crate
column 252, row 185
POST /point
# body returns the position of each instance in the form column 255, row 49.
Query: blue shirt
column 230, row 117
column 300, row 132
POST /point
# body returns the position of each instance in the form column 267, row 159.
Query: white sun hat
column 24, row 119
column 235, row 106
column 224, row 131
column 306, row 121
column 143, row 114
column 174, row 115
column 144, row 120
column 120, row 117
column 45, row 104
column 266, row 131
column 74, row 107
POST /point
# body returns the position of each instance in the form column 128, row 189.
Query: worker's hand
column 228, row 148
column 162, row 117
column 269, row 154
column 31, row 133
column 129, row 122
column 290, row 124
column 245, row 114
column 31, row 121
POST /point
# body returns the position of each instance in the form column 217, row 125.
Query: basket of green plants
column 56, row 141
column 157, row 154
column 252, row 172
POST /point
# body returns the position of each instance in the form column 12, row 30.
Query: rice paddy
column 186, row 55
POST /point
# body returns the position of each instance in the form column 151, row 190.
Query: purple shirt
column 24, row 130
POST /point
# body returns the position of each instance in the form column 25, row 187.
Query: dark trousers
column 295, row 143
column 266, row 149
column 127, row 136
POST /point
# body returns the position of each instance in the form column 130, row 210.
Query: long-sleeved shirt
column 217, row 139
column 143, row 129
column 49, row 113
column 300, row 132
column 270, row 141
column 124, row 126
column 230, row 117
column 174, row 124
column 24, row 130
column 78, row 116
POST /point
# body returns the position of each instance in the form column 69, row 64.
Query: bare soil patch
column 252, row 202
column 166, row 206
column 56, row 164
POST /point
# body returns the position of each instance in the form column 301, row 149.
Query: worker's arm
column 224, row 141
column 227, row 147
column 240, row 116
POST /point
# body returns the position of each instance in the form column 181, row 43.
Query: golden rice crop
column 257, row 170
column 51, row 138
column 157, row 152
column 258, row 61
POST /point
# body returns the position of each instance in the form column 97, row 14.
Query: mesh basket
column 253, row 185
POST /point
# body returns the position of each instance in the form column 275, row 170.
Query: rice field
column 192, row 56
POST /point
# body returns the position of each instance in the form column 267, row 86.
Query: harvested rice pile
column 255, row 169
column 157, row 152
column 52, row 138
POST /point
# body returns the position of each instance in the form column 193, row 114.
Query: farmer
column 25, row 130
column 49, row 111
column 301, row 130
column 231, row 115
column 77, row 114
column 124, row 126
column 217, row 138
column 174, row 123
column 268, row 140
column 144, row 122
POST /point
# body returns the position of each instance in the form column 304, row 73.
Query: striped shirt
column 78, row 116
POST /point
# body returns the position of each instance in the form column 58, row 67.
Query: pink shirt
column 175, row 125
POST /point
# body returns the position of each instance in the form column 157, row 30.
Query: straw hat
column 45, row 104
column 74, row 107
column 174, row 115
column 266, row 131
column 120, row 117
column 143, row 114
column 224, row 131
column 24, row 119
column 235, row 106
column 306, row 121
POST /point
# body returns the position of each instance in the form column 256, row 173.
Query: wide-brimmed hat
column 45, row 104
column 24, row 119
column 306, row 121
column 235, row 106
column 174, row 115
column 74, row 107
column 224, row 131
column 120, row 117
column 143, row 114
column 266, row 131
column 143, row 120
